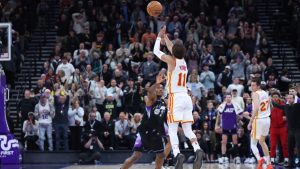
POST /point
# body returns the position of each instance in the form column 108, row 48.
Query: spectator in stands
column 117, row 94
column 79, row 21
column 98, row 93
column 122, row 132
column 25, row 106
column 132, row 97
column 44, row 112
column 236, row 85
column 42, row 10
column 134, row 123
column 88, row 74
column 253, row 67
column 225, row 77
column 77, row 52
column 211, row 115
column 272, row 82
column 207, row 77
column 30, row 128
column 92, row 125
column 61, row 122
column 196, row 87
column 96, row 63
column 122, row 53
column 243, row 145
column 285, row 81
column 148, row 35
column 237, row 98
column 62, row 28
column 208, row 138
column 76, row 122
column 270, row 68
column 71, row 42
column 207, row 58
column 197, row 125
column 68, row 68
column 107, row 131
column 149, row 69
column 237, row 66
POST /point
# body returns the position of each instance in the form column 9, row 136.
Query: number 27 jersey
column 264, row 104
column 177, row 78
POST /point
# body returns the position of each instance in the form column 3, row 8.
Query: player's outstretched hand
column 162, row 32
column 160, row 78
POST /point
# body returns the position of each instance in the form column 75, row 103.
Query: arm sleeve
column 156, row 49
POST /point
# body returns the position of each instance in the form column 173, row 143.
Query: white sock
column 272, row 160
column 286, row 159
column 188, row 132
column 257, row 156
column 267, row 159
column 195, row 146
column 176, row 151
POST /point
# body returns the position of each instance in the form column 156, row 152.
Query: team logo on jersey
column 6, row 146
column 182, row 67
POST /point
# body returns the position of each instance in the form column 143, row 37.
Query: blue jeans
column 61, row 130
column 45, row 129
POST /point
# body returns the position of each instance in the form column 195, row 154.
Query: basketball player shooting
column 260, row 123
column 179, row 103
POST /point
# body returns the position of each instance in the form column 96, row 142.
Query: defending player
column 180, row 103
column 260, row 123
column 153, row 128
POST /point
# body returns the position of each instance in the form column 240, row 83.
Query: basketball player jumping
column 260, row 123
column 179, row 103
column 153, row 128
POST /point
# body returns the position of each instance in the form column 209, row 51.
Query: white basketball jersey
column 177, row 78
column 264, row 104
column 44, row 114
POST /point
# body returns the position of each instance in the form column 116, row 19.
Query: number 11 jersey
column 177, row 78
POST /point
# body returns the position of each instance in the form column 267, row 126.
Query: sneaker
column 252, row 160
column 111, row 148
column 220, row 160
column 269, row 166
column 226, row 160
column 199, row 154
column 237, row 160
column 260, row 163
column 246, row 161
column 179, row 159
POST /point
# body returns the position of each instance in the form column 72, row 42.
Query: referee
column 292, row 114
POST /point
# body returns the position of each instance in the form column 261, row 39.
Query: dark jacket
column 25, row 106
column 292, row 114
column 61, row 111
column 107, row 127
column 96, row 126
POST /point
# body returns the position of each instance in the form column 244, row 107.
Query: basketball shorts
column 260, row 127
column 147, row 143
column 180, row 108
column 229, row 132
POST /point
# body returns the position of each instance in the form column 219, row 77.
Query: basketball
column 154, row 8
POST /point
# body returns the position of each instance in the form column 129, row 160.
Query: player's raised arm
column 151, row 94
column 169, row 43
column 161, row 55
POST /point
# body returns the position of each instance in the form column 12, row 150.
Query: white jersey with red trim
column 264, row 109
column 177, row 78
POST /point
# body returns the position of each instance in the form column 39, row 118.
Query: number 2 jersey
column 264, row 104
column 177, row 78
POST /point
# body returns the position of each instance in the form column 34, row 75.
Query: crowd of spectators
column 91, row 90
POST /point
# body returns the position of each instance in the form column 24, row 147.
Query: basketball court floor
column 141, row 166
